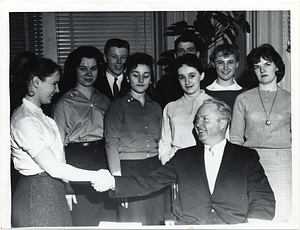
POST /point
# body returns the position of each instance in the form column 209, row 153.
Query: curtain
column 76, row 29
column 26, row 33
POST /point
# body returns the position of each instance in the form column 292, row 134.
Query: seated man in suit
column 218, row 182
column 113, row 81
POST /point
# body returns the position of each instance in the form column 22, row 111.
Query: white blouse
column 31, row 131
column 177, row 124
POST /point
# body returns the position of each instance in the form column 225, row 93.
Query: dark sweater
column 228, row 96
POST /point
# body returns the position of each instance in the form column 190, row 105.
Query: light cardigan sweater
column 177, row 124
column 248, row 126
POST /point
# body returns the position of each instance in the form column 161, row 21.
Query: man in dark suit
column 218, row 182
column 113, row 80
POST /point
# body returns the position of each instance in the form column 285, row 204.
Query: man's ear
column 213, row 64
column 223, row 124
column 237, row 64
column 202, row 76
column 104, row 57
column 198, row 54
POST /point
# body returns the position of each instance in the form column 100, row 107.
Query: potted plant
column 211, row 27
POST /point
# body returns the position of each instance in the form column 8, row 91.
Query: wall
column 271, row 27
column 266, row 27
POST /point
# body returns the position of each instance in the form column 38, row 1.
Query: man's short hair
column 187, row 38
column 224, row 110
column 225, row 50
column 116, row 42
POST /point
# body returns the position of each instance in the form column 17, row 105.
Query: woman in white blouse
column 178, row 116
column 37, row 153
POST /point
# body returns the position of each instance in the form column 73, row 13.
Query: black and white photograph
column 149, row 114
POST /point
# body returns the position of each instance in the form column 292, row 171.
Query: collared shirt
column 212, row 160
column 78, row 118
column 131, row 129
column 177, row 124
column 216, row 87
column 31, row 131
column 111, row 80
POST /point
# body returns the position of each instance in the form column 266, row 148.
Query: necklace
column 268, row 121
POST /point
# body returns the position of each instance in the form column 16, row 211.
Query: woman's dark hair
column 190, row 60
column 74, row 60
column 132, row 62
column 36, row 66
column 267, row 52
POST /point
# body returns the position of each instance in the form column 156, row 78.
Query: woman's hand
column 164, row 158
column 124, row 203
column 103, row 181
column 70, row 199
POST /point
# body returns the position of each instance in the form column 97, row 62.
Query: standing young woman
column 37, row 152
column 79, row 115
column 132, row 131
column 178, row 115
column 262, row 120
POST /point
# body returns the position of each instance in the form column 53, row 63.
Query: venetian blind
column 76, row 29
column 26, row 33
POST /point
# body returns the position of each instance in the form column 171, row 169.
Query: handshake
column 103, row 181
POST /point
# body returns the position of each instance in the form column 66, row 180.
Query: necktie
column 115, row 87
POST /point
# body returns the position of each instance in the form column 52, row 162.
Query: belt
column 35, row 175
column 85, row 144
column 137, row 155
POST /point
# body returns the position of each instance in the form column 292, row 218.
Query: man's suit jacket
column 241, row 190
column 102, row 86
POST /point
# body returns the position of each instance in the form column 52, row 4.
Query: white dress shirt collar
column 111, row 80
column 216, row 87
column 212, row 159
column 32, row 106
column 188, row 99
column 218, row 147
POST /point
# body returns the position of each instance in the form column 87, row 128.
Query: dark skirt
column 39, row 201
column 148, row 210
column 92, row 206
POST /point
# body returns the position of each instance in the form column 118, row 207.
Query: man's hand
column 104, row 181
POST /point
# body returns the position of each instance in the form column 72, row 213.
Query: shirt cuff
column 117, row 173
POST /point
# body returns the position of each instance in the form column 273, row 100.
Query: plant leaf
column 244, row 24
column 176, row 28
column 230, row 35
